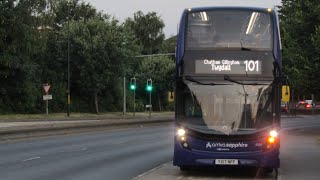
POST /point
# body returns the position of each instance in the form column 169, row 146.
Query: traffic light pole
column 150, row 106
column 133, row 85
column 134, row 103
column 149, row 88
column 134, row 96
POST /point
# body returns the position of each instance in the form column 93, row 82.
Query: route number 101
column 252, row 65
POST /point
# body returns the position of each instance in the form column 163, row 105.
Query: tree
column 160, row 70
column 99, row 50
column 20, row 44
column 34, row 38
column 300, row 20
column 148, row 30
column 169, row 45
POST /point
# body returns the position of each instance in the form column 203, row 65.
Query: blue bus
column 228, row 88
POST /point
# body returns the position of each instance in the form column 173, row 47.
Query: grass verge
column 62, row 116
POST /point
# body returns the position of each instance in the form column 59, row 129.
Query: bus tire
column 267, row 170
column 184, row 168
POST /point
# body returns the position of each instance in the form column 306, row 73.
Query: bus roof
column 226, row 8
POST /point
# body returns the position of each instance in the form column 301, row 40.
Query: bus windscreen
column 225, row 29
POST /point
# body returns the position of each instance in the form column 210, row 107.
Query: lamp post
column 68, row 104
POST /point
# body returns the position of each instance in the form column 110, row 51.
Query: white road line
column 30, row 159
column 150, row 171
column 121, row 142
column 77, row 150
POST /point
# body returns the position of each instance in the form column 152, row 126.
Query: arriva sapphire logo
column 226, row 145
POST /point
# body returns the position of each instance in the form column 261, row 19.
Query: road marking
column 150, row 171
column 77, row 150
column 30, row 159
column 121, row 142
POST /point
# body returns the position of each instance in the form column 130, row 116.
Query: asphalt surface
column 145, row 153
column 115, row 154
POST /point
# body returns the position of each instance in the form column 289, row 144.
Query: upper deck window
column 228, row 29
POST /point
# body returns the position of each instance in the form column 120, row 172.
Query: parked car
column 304, row 104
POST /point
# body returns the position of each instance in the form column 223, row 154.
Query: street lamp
column 68, row 105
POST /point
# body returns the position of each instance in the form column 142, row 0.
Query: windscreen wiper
column 189, row 78
column 227, row 78
column 244, row 48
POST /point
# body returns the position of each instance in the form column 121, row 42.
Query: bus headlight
column 272, row 139
column 273, row 133
column 181, row 135
column 181, row 132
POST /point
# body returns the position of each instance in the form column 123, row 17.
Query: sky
column 169, row 10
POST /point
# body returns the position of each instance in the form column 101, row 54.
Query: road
column 115, row 154
column 133, row 152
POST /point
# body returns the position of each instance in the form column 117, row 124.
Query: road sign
column 46, row 88
column 148, row 106
column 47, row 97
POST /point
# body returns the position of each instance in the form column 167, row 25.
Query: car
column 284, row 107
column 304, row 104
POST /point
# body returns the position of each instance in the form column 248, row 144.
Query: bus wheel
column 268, row 170
column 184, row 168
column 264, row 171
column 276, row 173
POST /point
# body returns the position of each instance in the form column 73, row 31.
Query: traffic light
column 133, row 84
column 149, row 85
column 132, row 87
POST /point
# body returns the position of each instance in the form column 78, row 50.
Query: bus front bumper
column 190, row 158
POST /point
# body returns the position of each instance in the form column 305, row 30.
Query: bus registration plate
column 226, row 161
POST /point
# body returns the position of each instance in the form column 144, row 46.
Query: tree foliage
column 34, row 38
column 147, row 29
column 20, row 44
column 169, row 45
column 300, row 22
column 160, row 70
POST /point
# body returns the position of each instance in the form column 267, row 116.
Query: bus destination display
column 241, row 67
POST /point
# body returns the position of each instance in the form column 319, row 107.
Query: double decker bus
column 228, row 88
